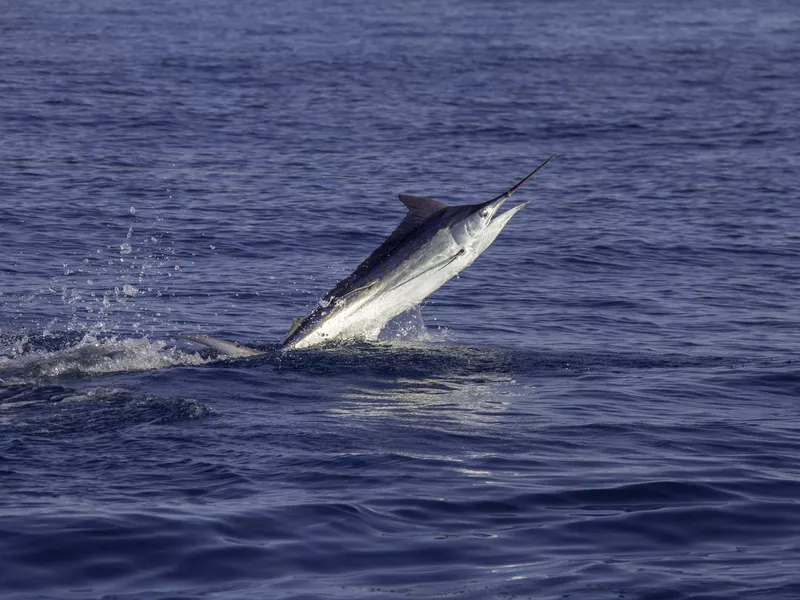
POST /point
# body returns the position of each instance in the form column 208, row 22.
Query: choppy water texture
column 605, row 405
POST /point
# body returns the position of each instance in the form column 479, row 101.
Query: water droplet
column 124, row 248
column 129, row 290
column 133, row 211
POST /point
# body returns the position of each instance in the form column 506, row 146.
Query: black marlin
column 433, row 244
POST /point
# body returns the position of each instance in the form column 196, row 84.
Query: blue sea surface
column 605, row 405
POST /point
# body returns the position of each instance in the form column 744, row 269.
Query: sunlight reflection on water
column 472, row 400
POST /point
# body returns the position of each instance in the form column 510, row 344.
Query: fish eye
column 484, row 213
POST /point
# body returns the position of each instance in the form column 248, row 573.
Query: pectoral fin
column 359, row 289
column 435, row 267
column 338, row 300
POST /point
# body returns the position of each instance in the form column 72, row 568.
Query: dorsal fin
column 420, row 209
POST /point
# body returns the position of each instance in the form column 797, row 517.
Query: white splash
column 92, row 356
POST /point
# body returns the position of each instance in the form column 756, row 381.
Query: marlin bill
column 433, row 244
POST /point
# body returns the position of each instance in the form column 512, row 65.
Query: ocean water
column 605, row 405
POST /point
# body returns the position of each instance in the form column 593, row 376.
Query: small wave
column 56, row 410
